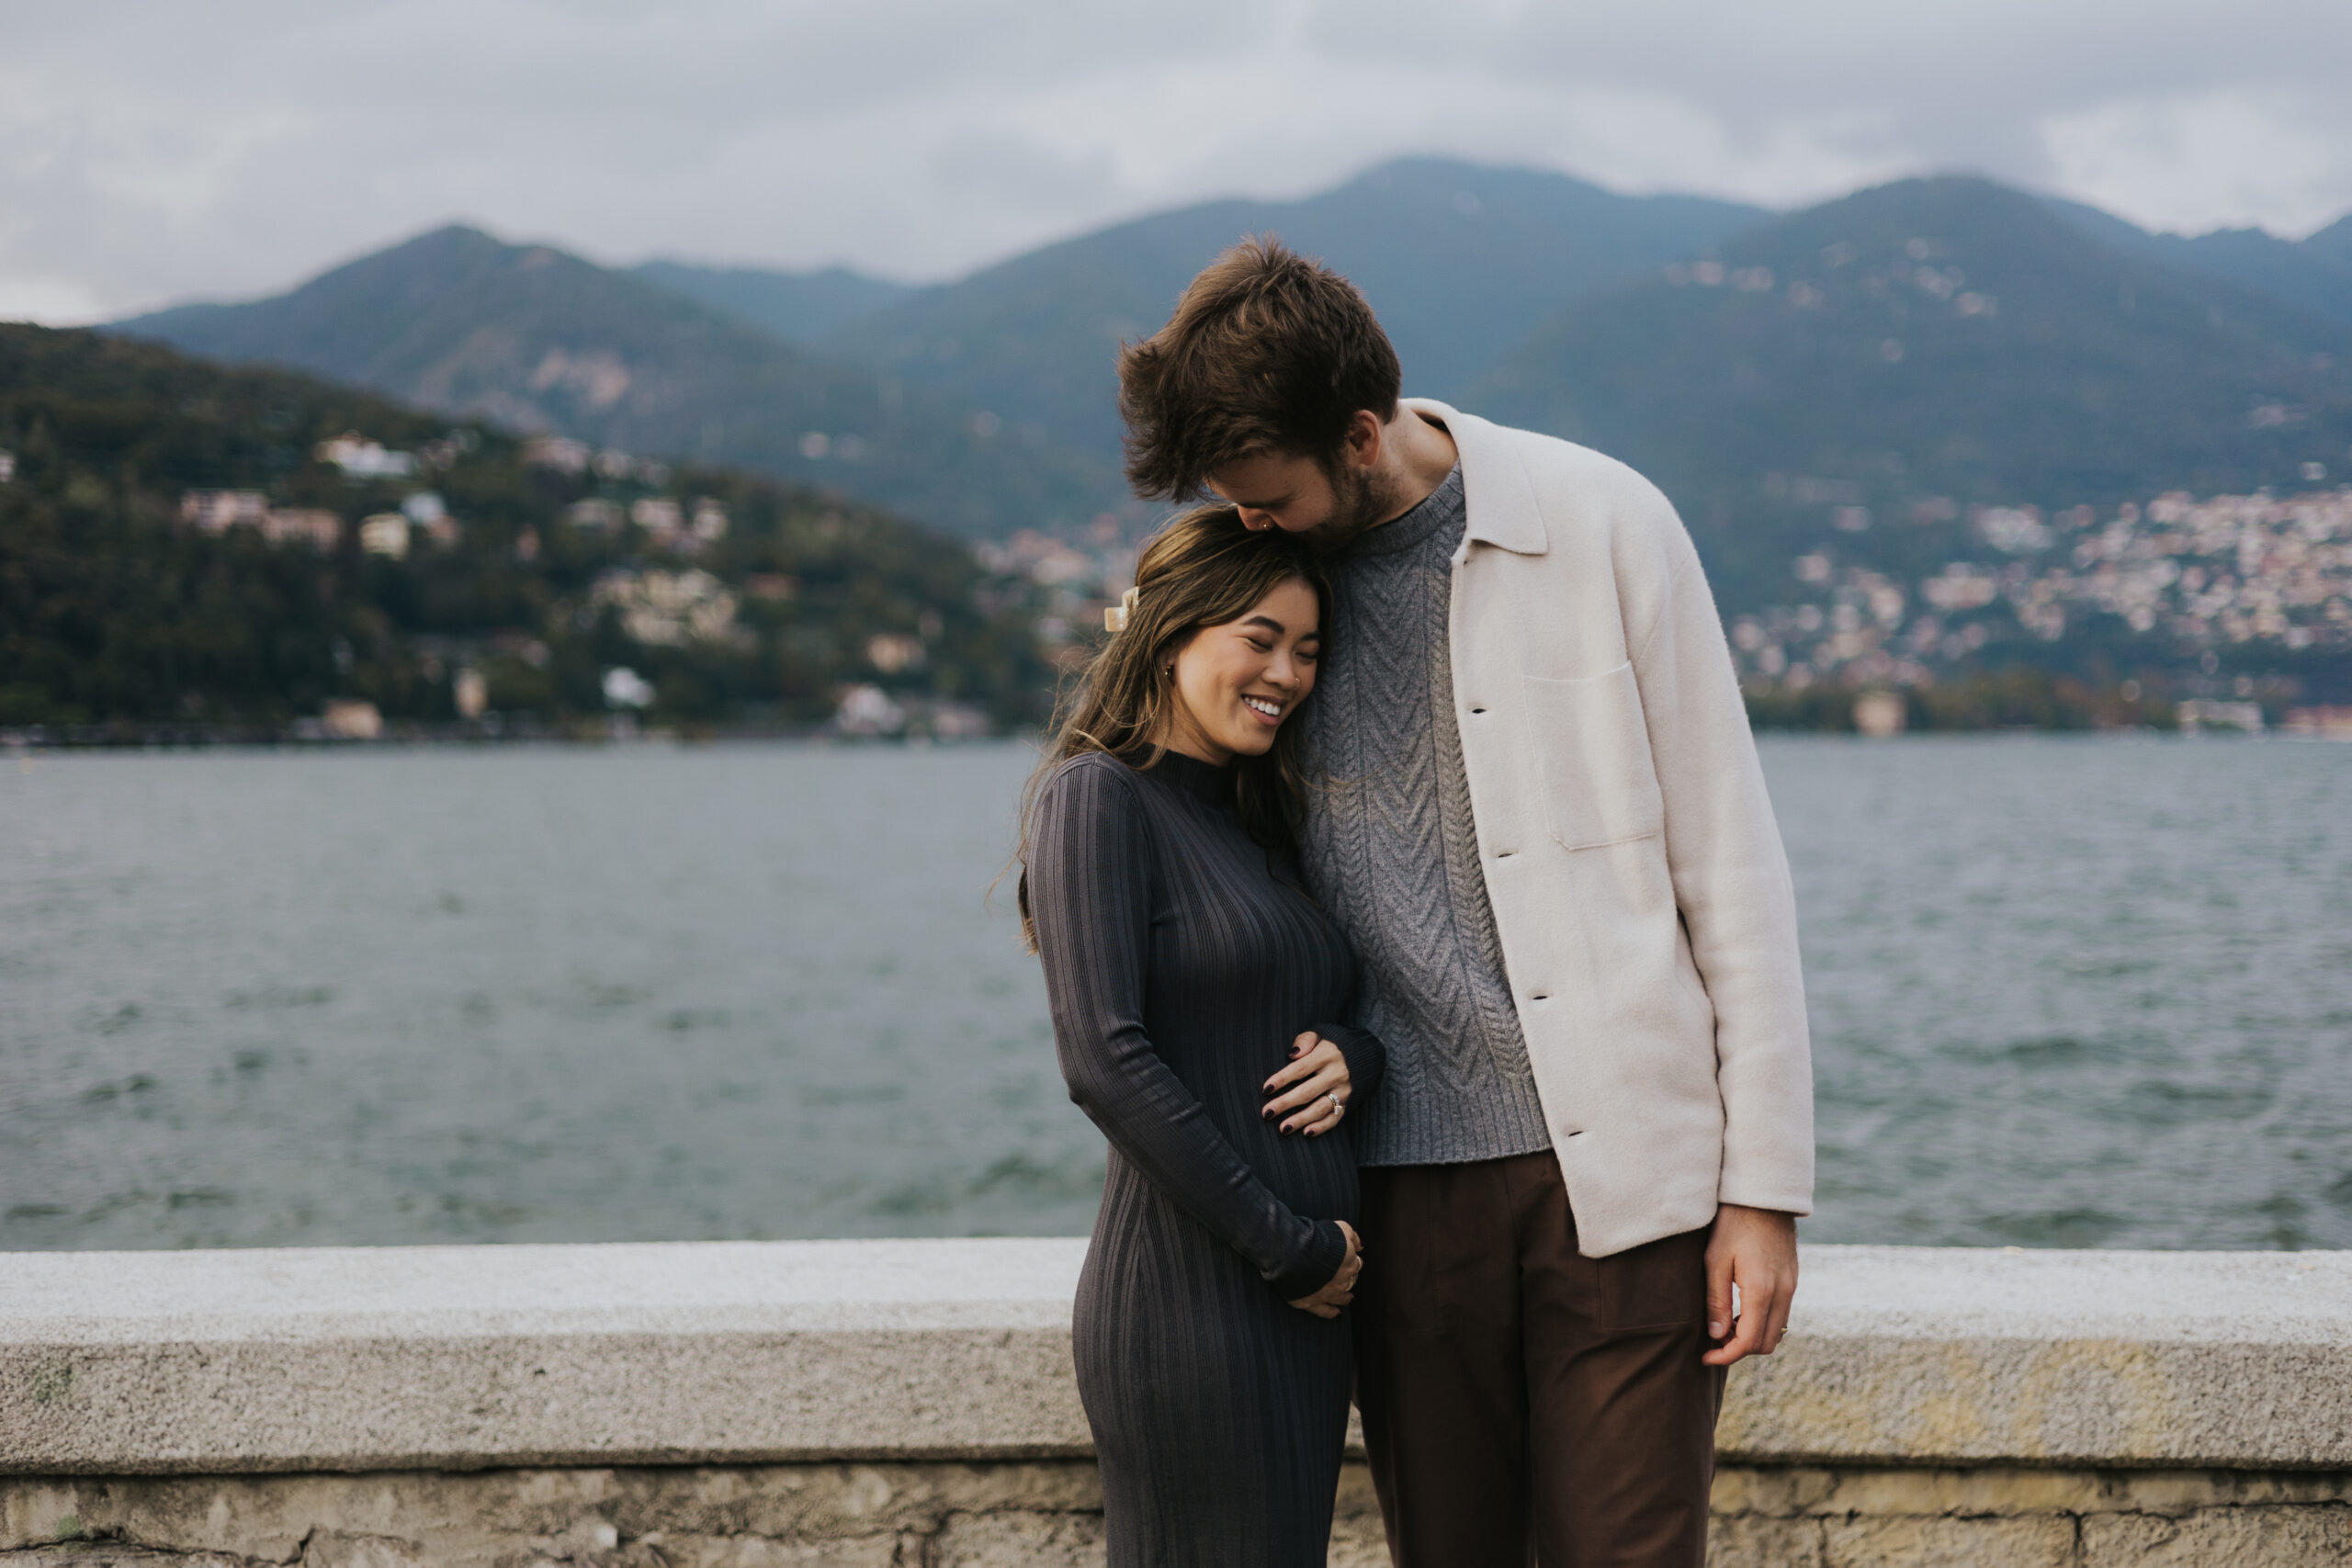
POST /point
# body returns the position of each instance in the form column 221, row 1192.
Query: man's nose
column 1257, row 522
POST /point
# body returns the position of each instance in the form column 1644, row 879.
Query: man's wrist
column 1738, row 1225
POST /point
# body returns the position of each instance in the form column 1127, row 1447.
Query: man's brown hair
column 1268, row 352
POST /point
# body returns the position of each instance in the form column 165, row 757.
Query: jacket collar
column 1495, row 487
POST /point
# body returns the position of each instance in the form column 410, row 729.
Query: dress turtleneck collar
column 1205, row 782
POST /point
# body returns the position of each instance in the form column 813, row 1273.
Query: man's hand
column 1757, row 1250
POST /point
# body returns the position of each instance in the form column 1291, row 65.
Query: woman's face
column 1237, row 684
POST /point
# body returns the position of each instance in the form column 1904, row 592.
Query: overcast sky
column 156, row 152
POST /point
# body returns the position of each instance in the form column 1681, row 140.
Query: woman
column 1195, row 992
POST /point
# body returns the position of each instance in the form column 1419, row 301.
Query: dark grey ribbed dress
column 1179, row 970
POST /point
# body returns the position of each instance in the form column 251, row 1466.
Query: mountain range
column 1920, row 348
column 2315, row 273
column 539, row 339
column 1459, row 261
column 1911, row 349
column 983, row 404
column 798, row 306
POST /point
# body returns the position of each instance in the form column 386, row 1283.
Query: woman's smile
column 1236, row 682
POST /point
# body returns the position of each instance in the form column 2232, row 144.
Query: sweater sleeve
column 1090, row 881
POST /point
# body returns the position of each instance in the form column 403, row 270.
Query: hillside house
column 659, row 517
column 386, row 534
column 217, row 510
column 311, row 525
column 561, row 453
column 361, row 458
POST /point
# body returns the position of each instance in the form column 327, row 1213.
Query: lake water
column 2066, row 993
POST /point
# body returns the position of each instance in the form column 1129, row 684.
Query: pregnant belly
column 1316, row 1177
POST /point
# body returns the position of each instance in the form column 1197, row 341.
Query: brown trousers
column 1523, row 1403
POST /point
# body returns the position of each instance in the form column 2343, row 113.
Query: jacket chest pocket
column 1592, row 757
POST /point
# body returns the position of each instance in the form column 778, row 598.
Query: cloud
column 2201, row 160
column 153, row 150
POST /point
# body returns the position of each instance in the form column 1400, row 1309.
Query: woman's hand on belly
column 1311, row 1093
column 1326, row 1302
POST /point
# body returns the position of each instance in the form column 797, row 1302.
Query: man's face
column 1279, row 489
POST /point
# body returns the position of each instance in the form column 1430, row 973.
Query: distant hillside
column 2335, row 242
column 539, row 339
column 1461, row 261
column 798, row 306
column 2316, row 274
column 124, row 600
column 1863, row 371
column 2105, row 361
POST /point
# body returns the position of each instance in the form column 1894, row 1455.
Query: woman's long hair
column 1203, row 570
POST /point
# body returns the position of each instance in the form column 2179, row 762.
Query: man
column 1538, row 813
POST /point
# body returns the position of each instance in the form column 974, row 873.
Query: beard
column 1360, row 500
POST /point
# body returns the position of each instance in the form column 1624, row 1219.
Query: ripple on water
column 2161, row 1103
column 2055, row 1227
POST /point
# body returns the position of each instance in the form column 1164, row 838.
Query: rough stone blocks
column 1800, row 1516
column 2220, row 1538
column 1048, row 1514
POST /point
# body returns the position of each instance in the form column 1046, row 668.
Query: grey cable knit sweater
column 1390, row 850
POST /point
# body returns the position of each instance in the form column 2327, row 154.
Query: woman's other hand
column 1311, row 1094
column 1326, row 1302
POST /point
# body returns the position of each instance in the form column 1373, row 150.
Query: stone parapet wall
column 730, row 1516
column 739, row 1406
column 1048, row 1514
column 2001, row 1517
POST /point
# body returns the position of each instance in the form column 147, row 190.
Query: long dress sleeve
column 1090, row 884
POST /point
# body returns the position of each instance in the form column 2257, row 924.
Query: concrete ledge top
column 1904, row 1292
column 469, row 1357
column 721, row 1287
column 1954, row 1293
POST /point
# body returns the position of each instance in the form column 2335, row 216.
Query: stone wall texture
column 1047, row 1515
column 909, row 1405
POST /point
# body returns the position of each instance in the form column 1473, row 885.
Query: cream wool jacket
column 1638, row 883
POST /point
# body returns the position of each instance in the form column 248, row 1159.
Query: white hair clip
column 1114, row 617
